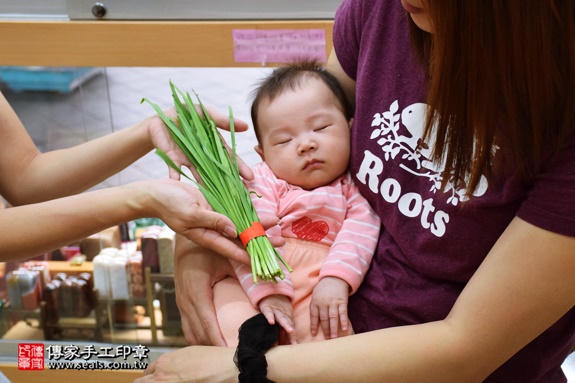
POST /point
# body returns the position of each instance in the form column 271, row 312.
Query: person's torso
column 432, row 240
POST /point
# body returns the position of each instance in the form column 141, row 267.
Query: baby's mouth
column 312, row 163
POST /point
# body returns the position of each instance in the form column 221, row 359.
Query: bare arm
column 486, row 327
column 28, row 176
column 43, row 180
column 34, row 229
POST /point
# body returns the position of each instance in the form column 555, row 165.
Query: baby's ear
column 350, row 122
column 259, row 150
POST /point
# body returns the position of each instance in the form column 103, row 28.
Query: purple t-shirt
column 432, row 241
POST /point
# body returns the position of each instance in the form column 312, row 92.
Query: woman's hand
column 193, row 364
column 182, row 207
column 161, row 139
column 196, row 271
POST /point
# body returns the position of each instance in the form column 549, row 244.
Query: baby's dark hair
column 290, row 76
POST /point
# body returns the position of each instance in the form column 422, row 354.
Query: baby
column 302, row 122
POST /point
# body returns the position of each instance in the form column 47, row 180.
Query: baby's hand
column 278, row 308
column 329, row 307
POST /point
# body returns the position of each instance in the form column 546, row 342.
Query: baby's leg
column 233, row 307
column 306, row 259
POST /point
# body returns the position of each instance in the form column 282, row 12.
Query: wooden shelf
column 133, row 43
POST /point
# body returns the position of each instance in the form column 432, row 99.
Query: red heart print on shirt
column 305, row 228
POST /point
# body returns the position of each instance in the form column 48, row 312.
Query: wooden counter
column 133, row 43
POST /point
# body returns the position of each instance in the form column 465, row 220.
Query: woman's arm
column 28, row 176
column 58, row 173
column 523, row 286
column 34, row 229
column 37, row 180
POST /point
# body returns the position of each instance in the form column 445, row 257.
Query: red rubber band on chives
column 255, row 230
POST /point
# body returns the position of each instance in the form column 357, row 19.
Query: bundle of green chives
column 198, row 138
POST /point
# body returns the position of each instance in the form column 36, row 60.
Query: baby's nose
column 306, row 146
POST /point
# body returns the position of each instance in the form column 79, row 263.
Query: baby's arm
column 329, row 306
column 278, row 309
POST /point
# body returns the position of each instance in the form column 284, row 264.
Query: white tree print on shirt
column 416, row 154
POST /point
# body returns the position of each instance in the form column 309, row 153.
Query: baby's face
column 305, row 136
